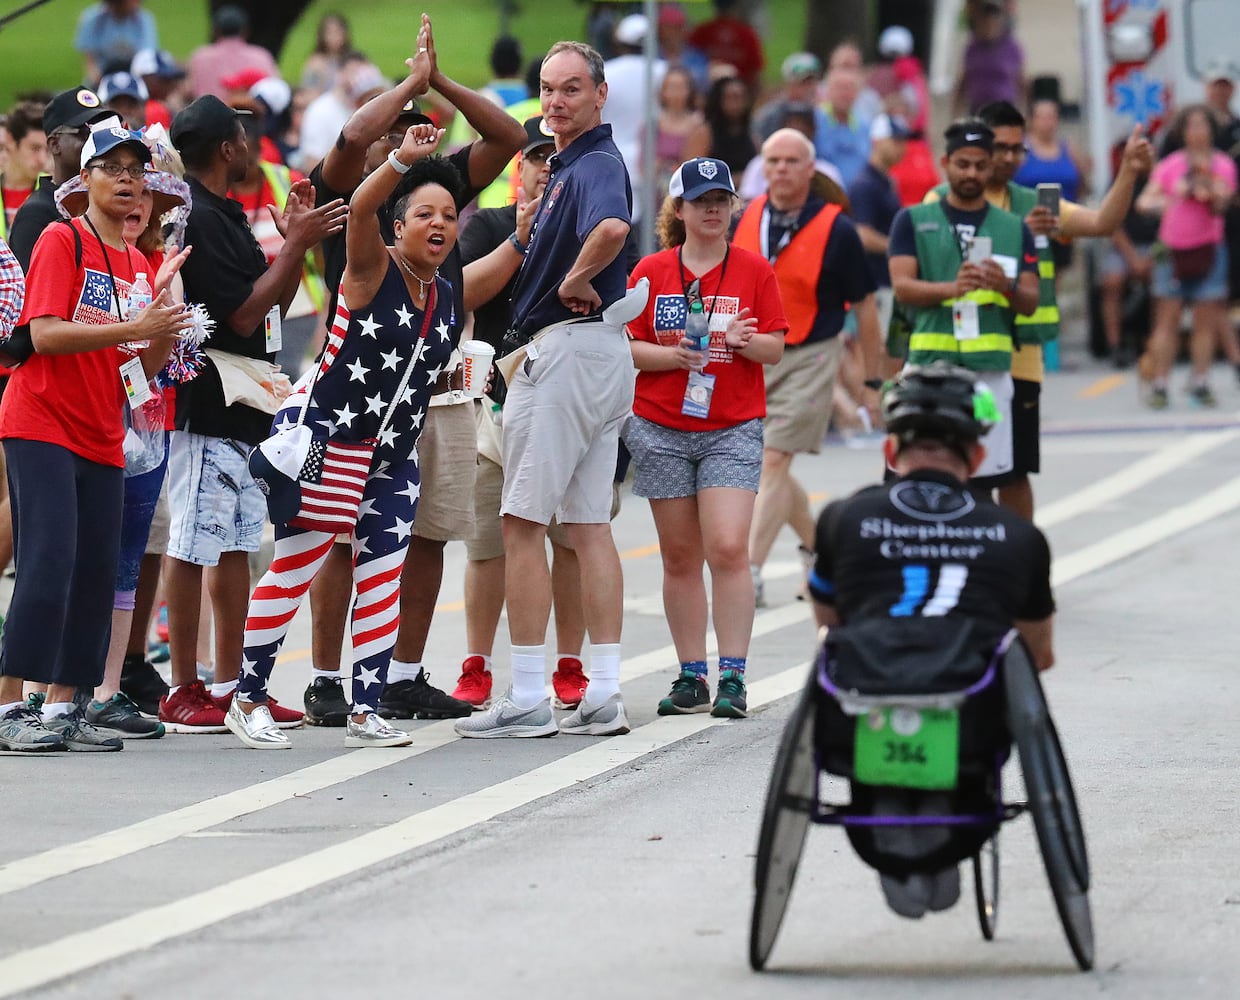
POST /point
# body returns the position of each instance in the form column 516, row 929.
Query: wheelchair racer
column 923, row 545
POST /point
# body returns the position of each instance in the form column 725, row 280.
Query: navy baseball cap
column 694, row 178
column 275, row 465
column 107, row 135
column 116, row 85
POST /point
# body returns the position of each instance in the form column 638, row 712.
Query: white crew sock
column 330, row 675
column 604, row 672
column 223, row 690
column 529, row 675
column 400, row 670
column 5, row 709
column 51, row 711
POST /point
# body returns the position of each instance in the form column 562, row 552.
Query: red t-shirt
column 14, row 198
column 731, row 40
column 73, row 400
column 748, row 282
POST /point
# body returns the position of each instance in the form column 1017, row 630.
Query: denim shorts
column 141, row 497
column 216, row 505
column 1211, row 288
column 673, row 463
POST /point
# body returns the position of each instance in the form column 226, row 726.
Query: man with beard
column 962, row 270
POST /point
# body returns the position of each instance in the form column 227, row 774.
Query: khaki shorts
column 562, row 424
column 447, row 457
column 798, row 396
column 486, row 541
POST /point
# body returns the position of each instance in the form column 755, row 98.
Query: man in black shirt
column 217, row 510
column 448, row 443
column 924, row 546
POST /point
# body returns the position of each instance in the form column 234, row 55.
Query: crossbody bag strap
column 417, row 354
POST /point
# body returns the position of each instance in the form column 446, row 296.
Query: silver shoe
column 506, row 718
column 257, row 730
column 607, row 719
column 375, row 732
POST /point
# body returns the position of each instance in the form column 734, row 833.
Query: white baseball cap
column 895, row 41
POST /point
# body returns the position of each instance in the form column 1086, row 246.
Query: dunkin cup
column 476, row 358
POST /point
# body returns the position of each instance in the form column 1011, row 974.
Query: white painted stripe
column 1132, row 477
column 61, row 958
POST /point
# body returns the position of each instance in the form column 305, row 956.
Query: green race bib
column 908, row 748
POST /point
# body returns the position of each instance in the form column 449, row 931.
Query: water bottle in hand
column 697, row 330
column 140, row 296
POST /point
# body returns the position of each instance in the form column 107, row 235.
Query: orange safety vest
column 798, row 266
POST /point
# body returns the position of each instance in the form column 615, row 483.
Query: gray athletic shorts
column 673, row 463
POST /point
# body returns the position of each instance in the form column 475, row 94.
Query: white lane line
column 74, row 953
column 1131, row 478
column 1130, row 541
column 192, row 819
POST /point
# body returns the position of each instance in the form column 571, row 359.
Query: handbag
column 1193, row 263
column 317, row 483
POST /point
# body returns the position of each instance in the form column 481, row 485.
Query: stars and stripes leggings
column 380, row 540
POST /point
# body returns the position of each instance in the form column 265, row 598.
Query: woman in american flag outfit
column 386, row 355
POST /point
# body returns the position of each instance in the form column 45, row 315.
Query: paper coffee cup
column 476, row 358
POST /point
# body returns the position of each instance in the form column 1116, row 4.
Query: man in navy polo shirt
column 568, row 394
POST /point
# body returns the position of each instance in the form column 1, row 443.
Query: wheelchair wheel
column 790, row 801
column 986, row 886
column 1052, row 802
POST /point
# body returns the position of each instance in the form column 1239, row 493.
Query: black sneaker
column 326, row 704
column 1202, row 395
column 416, row 699
column 120, row 715
column 142, row 683
column 730, row 698
column 689, row 694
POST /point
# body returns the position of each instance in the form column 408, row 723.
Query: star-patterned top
column 367, row 353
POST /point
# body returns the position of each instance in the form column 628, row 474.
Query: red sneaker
column 284, row 718
column 191, row 710
column 475, row 683
column 568, row 682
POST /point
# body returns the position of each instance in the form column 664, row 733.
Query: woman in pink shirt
column 1191, row 188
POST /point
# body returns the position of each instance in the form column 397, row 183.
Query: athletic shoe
column 78, row 734
column 22, row 730
column 568, row 682
column 35, row 700
column 141, row 682
column 418, row 699
column 730, row 696
column 121, row 716
column 475, row 683
column 689, row 695
column 190, row 710
column 284, row 718
column 158, row 652
column 1157, row 398
column 256, row 730
column 1202, row 395
column 506, row 718
column 326, row 704
column 607, row 719
column 374, row 732
column 759, row 590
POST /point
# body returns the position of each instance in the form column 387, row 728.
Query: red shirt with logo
column 73, row 400
column 745, row 280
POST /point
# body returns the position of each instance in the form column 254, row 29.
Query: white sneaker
column 506, row 718
column 375, row 732
column 607, row 719
column 257, row 730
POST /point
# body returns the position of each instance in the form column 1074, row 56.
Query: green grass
column 36, row 52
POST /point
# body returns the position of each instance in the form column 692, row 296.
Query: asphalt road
column 191, row 867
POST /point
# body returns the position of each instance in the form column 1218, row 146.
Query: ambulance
column 1143, row 59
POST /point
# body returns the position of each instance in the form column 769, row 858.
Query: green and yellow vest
column 938, row 259
column 281, row 183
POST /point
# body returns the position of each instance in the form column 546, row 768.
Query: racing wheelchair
column 920, row 715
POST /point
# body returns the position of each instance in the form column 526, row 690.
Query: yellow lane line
column 1108, row 383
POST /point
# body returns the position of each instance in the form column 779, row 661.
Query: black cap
column 230, row 20
column 73, row 109
column 969, row 132
column 537, row 134
column 208, row 119
column 412, row 114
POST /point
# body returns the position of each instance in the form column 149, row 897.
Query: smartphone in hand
column 1048, row 197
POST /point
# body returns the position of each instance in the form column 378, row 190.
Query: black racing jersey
column 923, row 545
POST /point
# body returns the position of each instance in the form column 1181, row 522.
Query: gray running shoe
column 23, row 730
column 80, row 735
column 120, row 715
column 505, row 718
column 607, row 719
column 375, row 732
column 257, row 730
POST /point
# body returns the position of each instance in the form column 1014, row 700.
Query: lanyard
column 764, row 234
column 108, row 264
column 693, row 290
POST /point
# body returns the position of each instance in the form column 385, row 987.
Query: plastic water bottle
column 140, row 295
column 697, row 329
